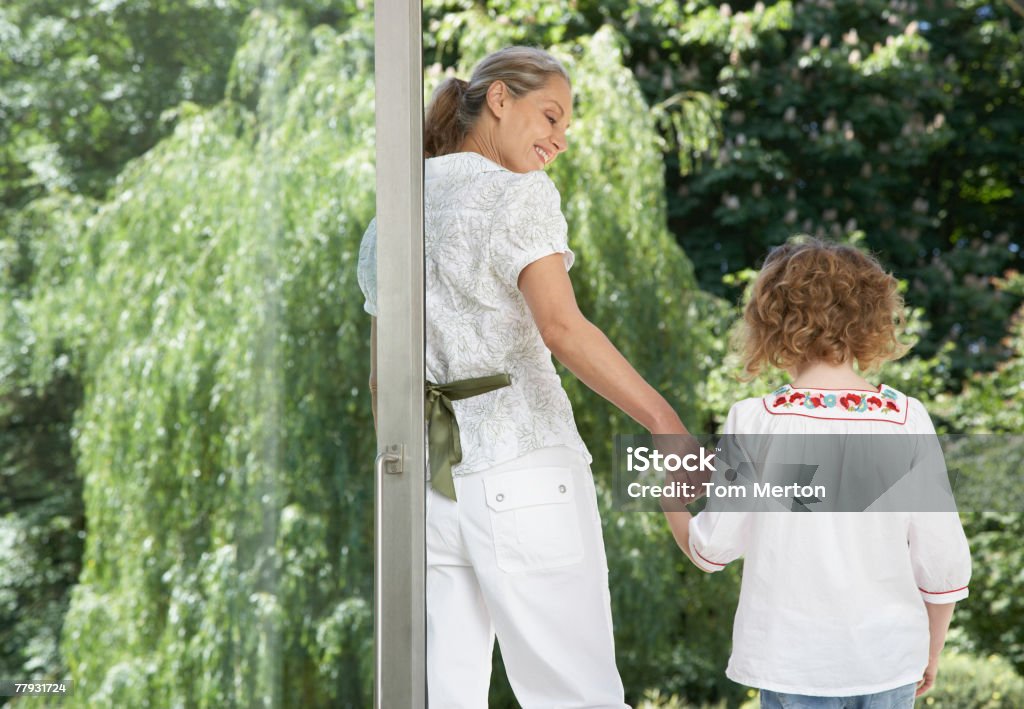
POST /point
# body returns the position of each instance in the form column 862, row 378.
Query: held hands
column 674, row 508
column 682, row 445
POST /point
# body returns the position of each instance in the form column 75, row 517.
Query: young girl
column 836, row 609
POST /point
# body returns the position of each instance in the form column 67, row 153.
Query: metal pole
column 400, row 559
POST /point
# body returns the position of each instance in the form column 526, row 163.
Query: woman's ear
column 497, row 96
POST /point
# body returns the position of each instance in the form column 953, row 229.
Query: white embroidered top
column 832, row 603
column 483, row 225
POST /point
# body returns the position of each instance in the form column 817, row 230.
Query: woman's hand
column 685, row 447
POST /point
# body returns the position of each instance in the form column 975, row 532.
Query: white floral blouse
column 483, row 225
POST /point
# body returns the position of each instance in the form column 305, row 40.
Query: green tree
column 991, row 410
column 901, row 120
column 84, row 87
column 41, row 514
column 210, row 311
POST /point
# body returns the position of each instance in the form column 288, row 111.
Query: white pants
column 520, row 555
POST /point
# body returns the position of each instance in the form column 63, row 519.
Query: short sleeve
column 367, row 268
column 528, row 226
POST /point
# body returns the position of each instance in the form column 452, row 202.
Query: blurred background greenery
column 185, row 436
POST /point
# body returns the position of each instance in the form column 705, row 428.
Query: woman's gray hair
column 457, row 104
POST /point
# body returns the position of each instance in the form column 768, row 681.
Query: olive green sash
column 443, row 429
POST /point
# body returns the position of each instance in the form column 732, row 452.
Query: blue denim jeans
column 899, row 698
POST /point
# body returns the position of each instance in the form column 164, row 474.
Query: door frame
column 399, row 521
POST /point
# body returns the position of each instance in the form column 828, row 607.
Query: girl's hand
column 926, row 682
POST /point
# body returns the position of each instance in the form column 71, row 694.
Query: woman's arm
column 373, row 369
column 584, row 349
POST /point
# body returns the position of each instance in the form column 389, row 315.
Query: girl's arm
column 679, row 523
column 939, row 615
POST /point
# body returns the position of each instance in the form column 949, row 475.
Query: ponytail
column 443, row 129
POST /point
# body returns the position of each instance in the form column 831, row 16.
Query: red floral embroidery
column 885, row 402
column 848, row 401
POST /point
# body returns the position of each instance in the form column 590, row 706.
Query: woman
column 514, row 545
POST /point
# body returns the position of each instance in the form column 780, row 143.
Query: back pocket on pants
column 534, row 519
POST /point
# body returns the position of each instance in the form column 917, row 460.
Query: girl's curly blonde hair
column 820, row 301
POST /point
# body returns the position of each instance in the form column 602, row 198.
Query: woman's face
column 531, row 129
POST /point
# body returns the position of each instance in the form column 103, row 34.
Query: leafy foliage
column 41, row 513
column 900, row 120
column 212, row 313
column 990, row 616
column 966, row 680
column 993, row 404
column 86, row 85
